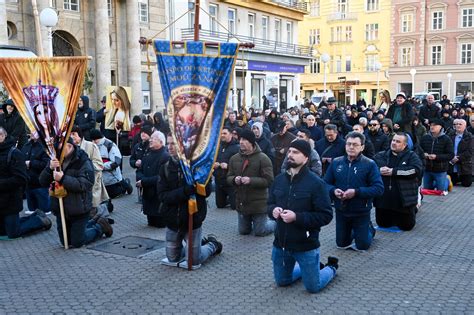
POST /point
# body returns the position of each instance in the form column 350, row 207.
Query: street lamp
column 449, row 75
column 325, row 58
column 412, row 73
column 49, row 19
column 378, row 67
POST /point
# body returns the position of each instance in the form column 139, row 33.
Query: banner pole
column 39, row 40
column 63, row 222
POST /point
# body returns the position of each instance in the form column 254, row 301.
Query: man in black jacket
column 330, row 147
column 377, row 137
column 332, row 115
column 438, row 151
column 13, row 179
column 37, row 197
column 460, row 168
column 147, row 178
column 174, row 193
column 429, row 110
column 224, row 192
column 100, row 116
column 77, row 178
column 296, row 203
column 85, row 117
column 138, row 151
column 13, row 124
column 400, row 169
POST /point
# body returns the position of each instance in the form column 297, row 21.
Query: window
column 231, row 20
column 348, row 63
column 336, row 34
column 265, row 27
column 348, row 33
column 251, row 24
column 314, row 37
column 231, row 13
column 314, row 8
column 213, row 10
column 371, row 31
column 289, row 32
column 467, row 17
column 315, row 65
column 143, row 11
column 342, row 8
column 405, row 56
column 462, row 88
column 337, row 60
column 109, row 8
column 277, row 30
column 146, row 99
column 71, row 5
column 191, row 14
column 370, row 61
column 466, row 53
column 407, row 22
column 434, row 87
column 436, row 54
column 372, row 5
column 437, row 21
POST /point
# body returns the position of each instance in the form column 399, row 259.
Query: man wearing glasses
column 377, row 137
column 354, row 180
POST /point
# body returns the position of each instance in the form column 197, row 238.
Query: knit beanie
column 248, row 135
column 302, row 146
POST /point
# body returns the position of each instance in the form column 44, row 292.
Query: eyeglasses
column 372, row 125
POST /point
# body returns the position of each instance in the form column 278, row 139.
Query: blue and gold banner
column 195, row 86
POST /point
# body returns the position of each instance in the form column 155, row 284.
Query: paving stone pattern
column 427, row 271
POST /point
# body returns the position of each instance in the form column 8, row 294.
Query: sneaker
column 110, row 206
column 217, row 245
column 129, row 188
column 28, row 212
column 333, row 262
column 204, row 241
column 105, row 225
column 44, row 219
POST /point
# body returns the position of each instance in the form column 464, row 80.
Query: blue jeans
column 38, row 199
column 350, row 228
column 175, row 251
column 13, row 226
column 438, row 180
column 79, row 231
column 262, row 226
column 286, row 272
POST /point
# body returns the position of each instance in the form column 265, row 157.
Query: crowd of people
column 283, row 172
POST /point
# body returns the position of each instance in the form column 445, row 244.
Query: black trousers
column 116, row 189
column 466, row 180
column 225, row 195
column 403, row 220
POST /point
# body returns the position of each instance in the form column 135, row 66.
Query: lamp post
column 412, row 73
column 325, row 58
column 378, row 67
column 49, row 19
column 449, row 75
column 234, row 80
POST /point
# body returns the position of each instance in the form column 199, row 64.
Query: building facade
column 355, row 34
column 106, row 30
column 434, row 40
column 269, row 69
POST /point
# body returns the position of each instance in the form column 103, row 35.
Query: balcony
column 292, row 4
column 341, row 16
column 261, row 45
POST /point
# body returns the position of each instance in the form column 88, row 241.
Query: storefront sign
column 274, row 67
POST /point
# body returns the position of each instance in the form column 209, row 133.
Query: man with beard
column 330, row 147
column 250, row 172
column 224, row 192
column 377, row 137
column 281, row 142
column 300, row 210
column 314, row 162
column 400, row 169
column 148, row 175
column 85, row 117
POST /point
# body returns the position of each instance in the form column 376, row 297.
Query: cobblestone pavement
column 429, row 270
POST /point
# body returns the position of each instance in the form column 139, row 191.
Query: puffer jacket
column 14, row 125
column 35, row 153
column 363, row 175
column 13, row 178
column 251, row 198
column 302, row 195
column 442, row 146
column 85, row 118
column 78, row 181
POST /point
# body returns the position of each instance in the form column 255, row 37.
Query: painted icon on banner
column 118, row 108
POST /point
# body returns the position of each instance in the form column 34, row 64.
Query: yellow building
column 353, row 38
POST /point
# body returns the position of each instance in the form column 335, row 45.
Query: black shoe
column 106, row 227
column 321, row 265
column 129, row 187
column 333, row 262
column 372, row 229
column 204, row 241
column 44, row 219
column 110, row 206
column 211, row 238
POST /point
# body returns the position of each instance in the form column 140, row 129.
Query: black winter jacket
column 138, row 152
column 226, row 151
column 174, row 195
column 35, row 153
column 465, row 153
column 442, row 146
column 13, row 178
column 406, row 172
column 379, row 140
column 15, row 126
column 85, row 118
column 78, row 180
column 306, row 195
column 428, row 112
column 407, row 115
column 336, row 117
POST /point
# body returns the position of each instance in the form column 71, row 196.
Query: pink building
column 432, row 46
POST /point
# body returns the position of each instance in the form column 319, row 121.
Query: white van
column 422, row 96
column 7, row 51
column 318, row 97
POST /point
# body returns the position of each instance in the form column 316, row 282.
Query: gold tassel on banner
column 192, row 205
column 201, row 189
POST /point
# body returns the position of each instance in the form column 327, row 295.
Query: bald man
column 460, row 167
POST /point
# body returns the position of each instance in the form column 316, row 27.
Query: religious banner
column 46, row 92
column 195, row 86
column 118, row 106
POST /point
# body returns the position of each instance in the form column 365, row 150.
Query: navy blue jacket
column 35, row 153
column 363, row 175
column 305, row 194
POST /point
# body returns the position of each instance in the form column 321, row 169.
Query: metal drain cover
column 130, row 246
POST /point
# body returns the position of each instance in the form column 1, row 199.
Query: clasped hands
column 344, row 195
column 242, row 180
column 286, row 215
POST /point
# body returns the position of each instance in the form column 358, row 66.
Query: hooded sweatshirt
column 85, row 118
